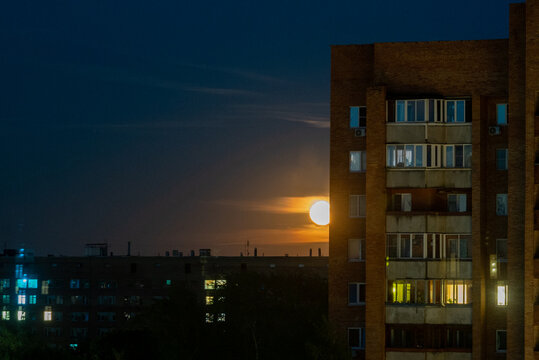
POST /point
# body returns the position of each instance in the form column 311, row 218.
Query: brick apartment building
column 70, row 299
column 433, row 187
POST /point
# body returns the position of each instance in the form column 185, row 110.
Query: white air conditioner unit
column 360, row 132
column 494, row 130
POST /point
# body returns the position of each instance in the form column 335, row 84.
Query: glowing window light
column 5, row 315
column 21, row 315
column 209, row 284
column 32, row 283
column 221, row 317
column 47, row 314
column 21, row 299
column 22, row 283
column 501, row 295
column 209, row 318
column 220, row 283
column 209, row 300
column 32, row 299
column 45, row 287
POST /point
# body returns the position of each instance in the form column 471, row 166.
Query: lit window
column 4, row 284
column 358, row 161
column 32, row 299
column 168, row 282
column 32, row 283
column 501, row 114
column 356, row 293
column 18, row 270
column 456, row 202
column 5, row 315
column 501, row 204
column 221, row 317
column 501, row 341
column 356, row 249
column 209, row 300
column 404, row 155
column 73, row 346
column 356, row 338
column 47, row 314
column 5, row 299
column 402, row 202
column 501, row 294
column 358, row 116
column 21, row 299
column 209, row 284
column 455, row 111
column 221, row 283
column 209, row 318
column 74, row 284
column 458, row 292
column 501, row 159
column 45, row 287
column 22, row 283
column 406, row 291
column 357, row 206
column 21, row 315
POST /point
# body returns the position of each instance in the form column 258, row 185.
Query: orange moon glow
column 320, row 213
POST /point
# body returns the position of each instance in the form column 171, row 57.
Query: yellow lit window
column 5, row 315
column 458, row 292
column 501, row 294
column 209, row 300
column 401, row 292
column 220, row 283
column 47, row 314
column 209, row 284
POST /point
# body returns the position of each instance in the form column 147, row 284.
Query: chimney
column 256, row 252
column 310, row 252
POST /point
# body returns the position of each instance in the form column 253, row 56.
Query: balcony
column 428, row 314
column 430, row 222
column 434, row 133
column 445, row 355
column 432, row 269
column 429, row 178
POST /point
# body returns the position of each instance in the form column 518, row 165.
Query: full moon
column 320, row 213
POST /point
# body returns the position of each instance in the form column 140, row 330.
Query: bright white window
column 356, row 250
column 21, row 299
column 501, row 294
column 357, row 206
column 456, row 202
column 356, row 338
column 209, row 284
column 358, row 116
column 47, row 314
column 402, row 202
column 501, row 204
column 458, row 292
column 455, row 111
column 501, row 341
column 501, row 114
column 501, row 159
column 358, row 161
column 5, row 315
column 356, row 293
column 21, row 315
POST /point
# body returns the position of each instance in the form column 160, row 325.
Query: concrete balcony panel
column 449, row 133
column 450, row 178
column 458, row 315
column 405, row 314
column 421, row 314
column 451, row 269
column 421, row 178
column 406, row 223
column 450, row 224
column 405, row 133
column 412, row 269
column 449, row 356
column 405, row 178
column 397, row 355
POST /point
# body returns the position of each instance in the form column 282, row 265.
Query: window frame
column 505, row 107
column 357, row 206
column 362, row 154
column 360, row 117
column 505, row 164
column 361, row 338
column 501, row 196
column 498, row 341
column 360, row 247
column 358, row 293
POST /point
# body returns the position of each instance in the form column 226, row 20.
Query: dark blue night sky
column 183, row 125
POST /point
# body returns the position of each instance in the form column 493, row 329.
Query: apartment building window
column 501, row 293
column 79, row 300
column 404, row 155
column 4, row 284
column 501, row 250
column 356, row 293
column 434, row 156
column 358, row 161
column 356, row 250
column 458, row 246
column 5, row 315
column 456, row 202
column 406, row 291
column 18, row 270
column 455, row 111
column 79, row 333
column 106, row 316
column 5, row 299
column 402, row 202
column 501, row 159
column 21, row 298
column 21, row 314
column 47, row 314
column 501, row 341
column 431, row 246
column 501, row 114
column 405, row 246
column 357, row 206
column 410, row 110
column 458, row 292
column 458, row 156
column 45, row 287
column 74, row 284
column 429, row 336
column 501, row 204
column 358, row 116
column 79, row 316
column 32, row 299
column 356, row 338
column 106, row 300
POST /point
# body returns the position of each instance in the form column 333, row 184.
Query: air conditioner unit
column 360, row 132
column 494, row 130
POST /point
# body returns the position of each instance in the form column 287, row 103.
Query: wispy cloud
column 220, row 91
column 279, row 205
column 247, row 74
column 153, row 125
column 309, row 114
